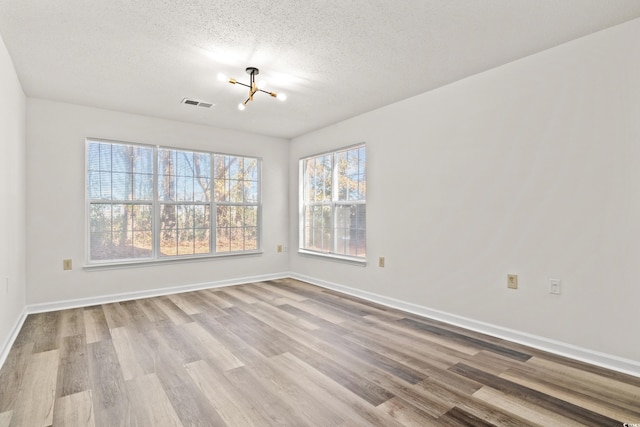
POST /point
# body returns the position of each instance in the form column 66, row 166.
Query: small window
column 151, row 202
column 333, row 203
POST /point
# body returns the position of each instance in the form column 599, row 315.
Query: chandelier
column 253, row 86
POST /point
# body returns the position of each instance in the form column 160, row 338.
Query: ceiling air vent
column 197, row 103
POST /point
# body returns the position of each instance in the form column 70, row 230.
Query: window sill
column 161, row 261
column 332, row 257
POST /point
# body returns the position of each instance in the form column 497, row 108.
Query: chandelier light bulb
column 241, row 106
column 282, row 96
column 222, row 77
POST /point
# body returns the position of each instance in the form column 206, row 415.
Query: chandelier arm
column 243, row 84
column 268, row 93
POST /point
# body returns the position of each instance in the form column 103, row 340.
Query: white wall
column 12, row 198
column 532, row 168
column 56, row 202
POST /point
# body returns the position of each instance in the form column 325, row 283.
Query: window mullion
column 155, row 217
column 213, row 214
column 258, row 205
column 334, row 197
column 302, row 182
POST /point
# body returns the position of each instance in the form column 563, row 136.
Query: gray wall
column 12, row 198
column 530, row 168
column 56, row 202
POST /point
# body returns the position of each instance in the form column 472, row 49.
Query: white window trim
column 109, row 265
column 322, row 254
column 157, row 259
column 334, row 257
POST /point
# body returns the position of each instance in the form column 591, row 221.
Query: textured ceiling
column 333, row 58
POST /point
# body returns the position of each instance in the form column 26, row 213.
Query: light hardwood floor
column 286, row 353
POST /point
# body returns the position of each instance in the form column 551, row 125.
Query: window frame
column 155, row 203
column 333, row 203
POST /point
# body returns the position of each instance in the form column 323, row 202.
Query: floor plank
column 12, row 375
column 151, row 404
column 175, row 313
column 124, row 342
column 534, row 414
column 575, row 412
column 228, row 400
column 209, row 348
column 5, row 418
column 277, row 411
column 72, row 322
column 35, row 401
column 74, row 410
column 356, row 410
column 73, row 371
column 47, row 335
column 111, row 405
column 95, row 325
column 406, row 414
column 191, row 406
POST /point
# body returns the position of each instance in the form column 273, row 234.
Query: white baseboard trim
column 106, row 299
column 608, row 361
column 604, row 360
column 11, row 338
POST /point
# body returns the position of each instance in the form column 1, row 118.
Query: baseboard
column 8, row 342
column 604, row 360
column 127, row 296
column 608, row 361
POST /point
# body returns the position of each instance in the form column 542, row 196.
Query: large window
column 333, row 203
column 147, row 203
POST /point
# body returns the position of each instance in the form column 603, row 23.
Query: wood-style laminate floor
column 286, row 353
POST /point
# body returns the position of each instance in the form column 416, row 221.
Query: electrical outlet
column 66, row 264
column 512, row 281
column 554, row 286
column 279, row 248
column 381, row 261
